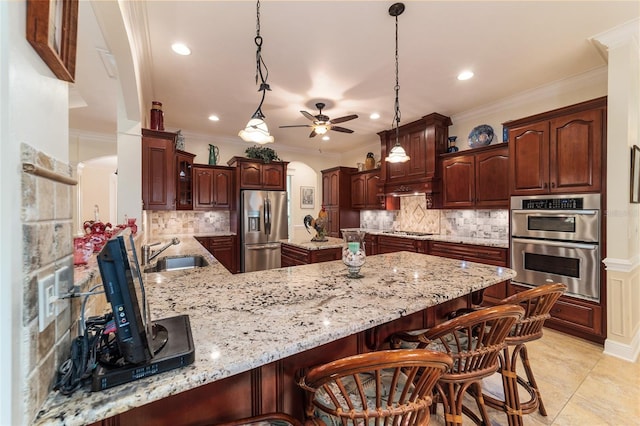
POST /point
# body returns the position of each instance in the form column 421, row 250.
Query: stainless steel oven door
column 539, row 262
column 571, row 225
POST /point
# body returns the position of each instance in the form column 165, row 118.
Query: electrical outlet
column 63, row 284
column 46, row 301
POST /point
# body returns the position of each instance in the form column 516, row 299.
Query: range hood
column 424, row 140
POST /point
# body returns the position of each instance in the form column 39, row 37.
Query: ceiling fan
column 322, row 123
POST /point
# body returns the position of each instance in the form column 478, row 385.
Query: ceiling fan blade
column 341, row 129
column 343, row 119
column 297, row 125
column 309, row 116
column 313, row 133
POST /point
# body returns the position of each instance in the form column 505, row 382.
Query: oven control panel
column 553, row 204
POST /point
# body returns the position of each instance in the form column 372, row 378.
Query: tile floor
column 579, row 384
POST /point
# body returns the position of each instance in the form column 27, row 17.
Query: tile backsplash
column 185, row 222
column 415, row 216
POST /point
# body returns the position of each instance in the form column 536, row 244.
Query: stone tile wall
column 159, row 223
column 47, row 232
column 414, row 216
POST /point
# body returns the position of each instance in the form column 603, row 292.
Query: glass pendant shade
column 256, row 131
column 397, row 155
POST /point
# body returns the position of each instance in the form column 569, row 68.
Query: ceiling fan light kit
column 397, row 153
column 256, row 130
column 322, row 123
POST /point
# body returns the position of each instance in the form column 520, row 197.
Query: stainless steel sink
column 175, row 263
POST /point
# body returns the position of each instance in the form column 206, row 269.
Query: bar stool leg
column 524, row 356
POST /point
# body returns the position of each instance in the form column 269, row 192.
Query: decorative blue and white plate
column 481, row 135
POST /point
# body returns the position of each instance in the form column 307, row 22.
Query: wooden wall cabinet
column 158, row 170
column 336, row 198
column 366, row 191
column 255, row 174
column 184, row 183
column 224, row 249
column 423, row 140
column 293, row 255
column 559, row 151
column 476, row 178
column 213, row 187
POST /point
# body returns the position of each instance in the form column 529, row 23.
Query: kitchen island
column 253, row 332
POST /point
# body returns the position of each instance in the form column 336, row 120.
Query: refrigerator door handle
column 267, row 216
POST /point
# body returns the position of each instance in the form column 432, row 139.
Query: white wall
column 95, row 186
column 34, row 110
column 302, row 175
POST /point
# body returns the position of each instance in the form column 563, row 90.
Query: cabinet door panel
column 158, row 173
column 529, row 158
column 273, row 176
column 458, row 175
column 372, row 201
column 576, row 155
column 203, row 188
column 358, row 191
column 417, row 150
column 222, row 188
column 250, row 175
column 492, row 178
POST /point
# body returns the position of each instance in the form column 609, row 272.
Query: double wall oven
column 556, row 238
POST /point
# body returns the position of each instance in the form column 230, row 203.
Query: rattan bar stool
column 392, row 387
column 537, row 303
column 474, row 341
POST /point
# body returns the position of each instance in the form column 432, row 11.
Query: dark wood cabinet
column 578, row 317
column 293, row 255
column 560, row 151
column 213, row 187
column 224, row 249
column 371, row 244
column 476, row 178
column 158, row 170
column 366, row 191
column 392, row 244
column 336, row 198
column 184, row 183
column 476, row 253
column 423, row 140
column 255, row 174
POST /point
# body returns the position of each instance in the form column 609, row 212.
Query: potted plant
column 262, row 153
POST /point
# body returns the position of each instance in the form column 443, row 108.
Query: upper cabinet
column 366, row 192
column 184, row 184
column 476, row 178
column 336, row 198
column 213, row 187
column 423, row 140
column 559, row 151
column 158, row 170
column 255, row 174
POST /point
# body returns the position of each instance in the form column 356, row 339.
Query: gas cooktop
column 411, row 233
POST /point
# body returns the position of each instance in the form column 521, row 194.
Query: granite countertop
column 315, row 245
column 304, row 307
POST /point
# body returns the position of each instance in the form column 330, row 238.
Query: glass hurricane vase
column 353, row 254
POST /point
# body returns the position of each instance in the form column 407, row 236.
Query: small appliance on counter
column 143, row 347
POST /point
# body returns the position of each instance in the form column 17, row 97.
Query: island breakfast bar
column 255, row 332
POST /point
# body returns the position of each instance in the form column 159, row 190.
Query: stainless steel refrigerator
column 264, row 224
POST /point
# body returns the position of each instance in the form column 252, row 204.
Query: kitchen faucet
column 148, row 255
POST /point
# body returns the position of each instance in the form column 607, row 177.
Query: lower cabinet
column 392, row 244
column 223, row 248
column 294, row 255
column 574, row 316
column 475, row 253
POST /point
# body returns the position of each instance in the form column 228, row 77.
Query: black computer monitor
column 125, row 292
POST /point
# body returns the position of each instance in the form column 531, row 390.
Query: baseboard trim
column 620, row 350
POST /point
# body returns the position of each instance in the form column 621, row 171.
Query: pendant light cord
column 396, row 117
column 260, row 65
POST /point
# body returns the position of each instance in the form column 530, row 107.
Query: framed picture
column 52, row 30
column 635, row 174
column 307, row 196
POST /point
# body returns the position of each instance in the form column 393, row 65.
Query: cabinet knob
column 553, row 184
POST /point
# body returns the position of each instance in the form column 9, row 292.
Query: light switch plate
column 64, row 283
column 46, row 301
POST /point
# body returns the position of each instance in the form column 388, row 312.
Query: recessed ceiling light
column 181, row 49
column 214, row 118
column 465, row 75
column 374, row 116
column 325, row 138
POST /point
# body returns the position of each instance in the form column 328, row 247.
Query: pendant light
column 397, row 153
column 256, row 129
